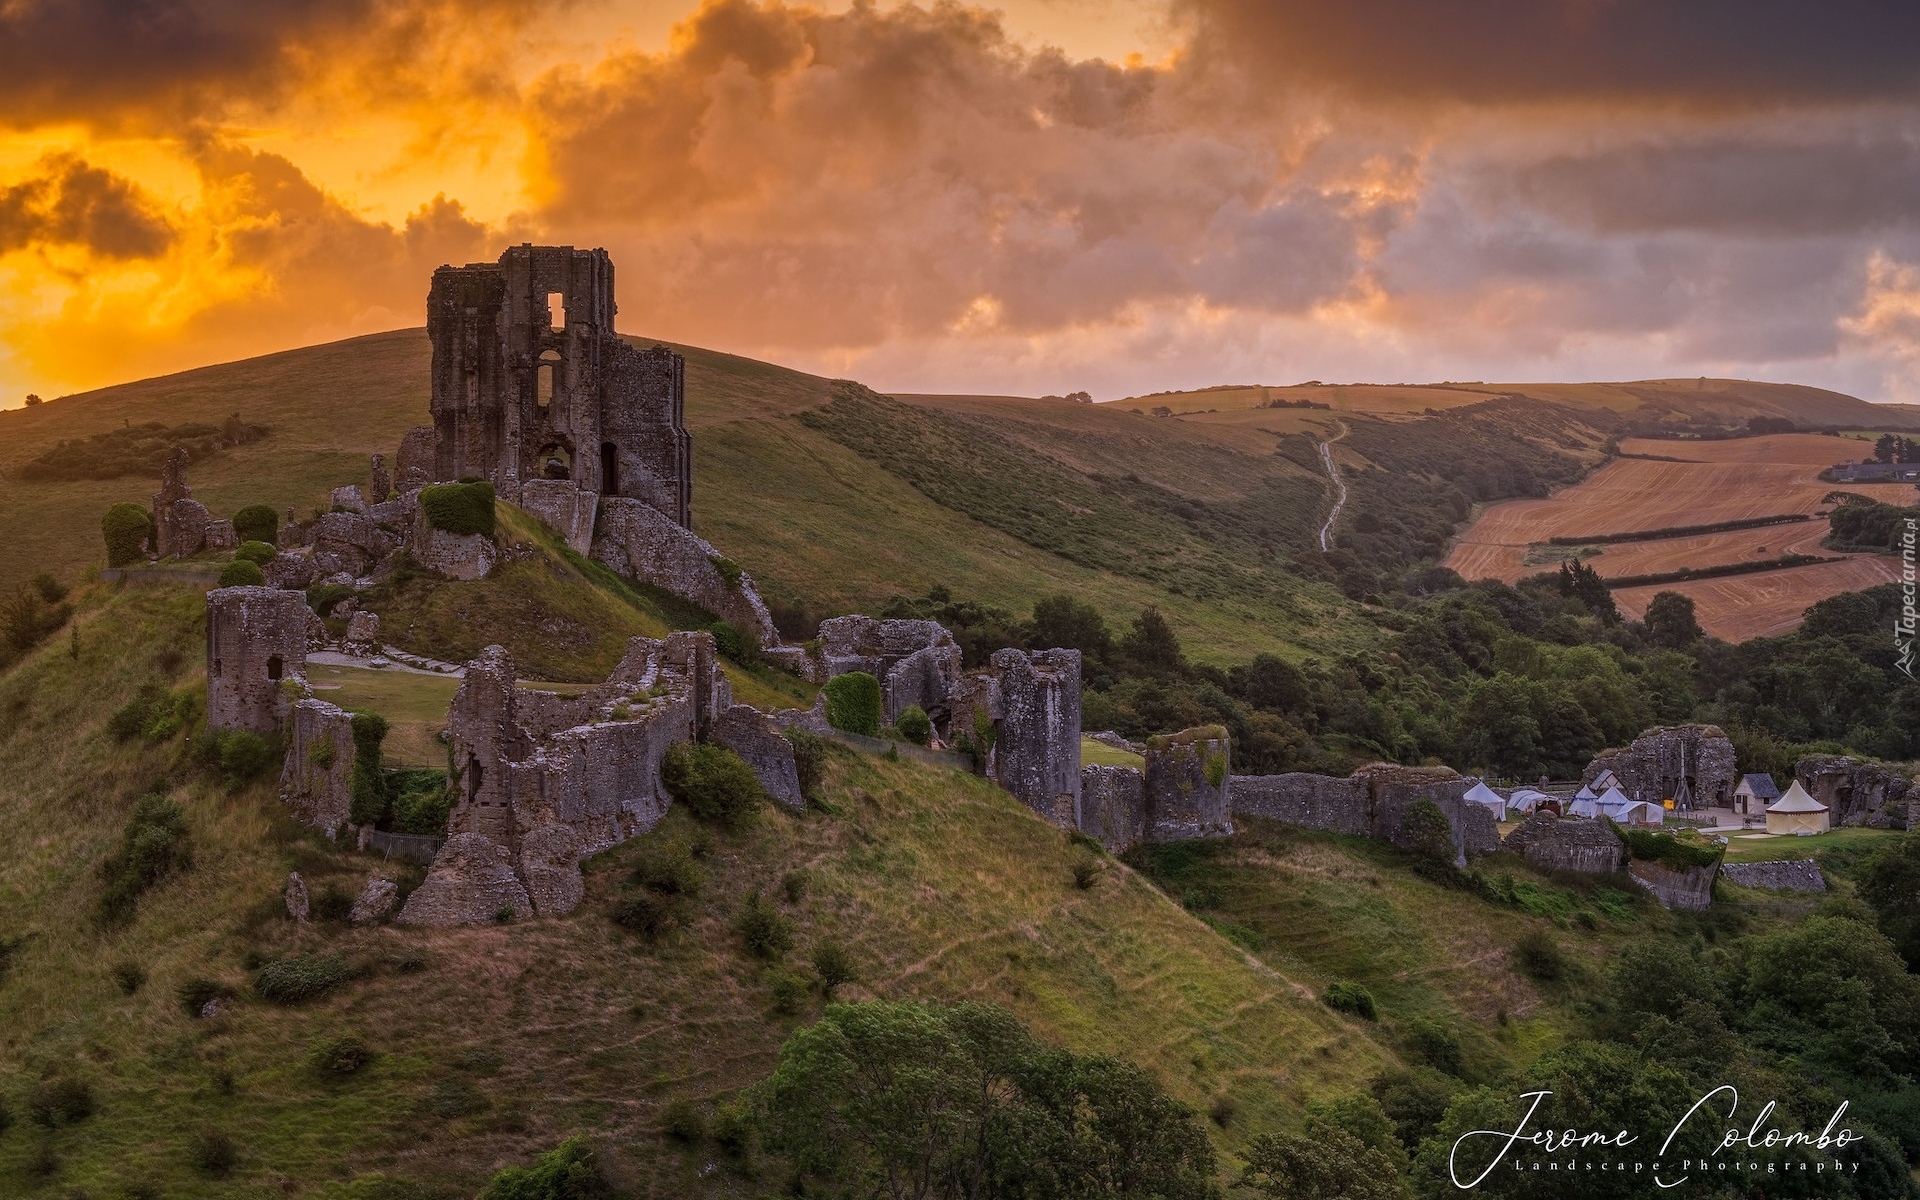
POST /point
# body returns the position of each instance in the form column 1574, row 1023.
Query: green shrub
column 766, row 933
column 833, row 965
column 683, row 1121
column 794, row 886
column 648, row 914
column 568, row 1172
column 809, row 759
column 195, row 994
column 424, row 811
column 1428, row 835
column 321, row 755
column 367, row 788
column 914, row 725
column 27, row 617
column 129, row 977
column 790, row 989
column 126, row 528
column 258, row 553
column 153, row 846
column 853, row 702
column 1350, row 998
column 1539, row 957
column 50, row 589
column 735, row 1129
column 60, row 1101
column 241, row 573
column 668, row 868
column 712, row 781
column 214, row 1153
column 1215, row 769
column 1086, row 870
column 460, row 508
column 301, row 978
column 332, row 903
column 1667, row 850
column 1435, row 1044
column 154, row 713
column 245, row 756
column 257, row 523
column 339, row 1056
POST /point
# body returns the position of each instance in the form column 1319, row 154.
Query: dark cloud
column 72, row 203
column 1716, row 52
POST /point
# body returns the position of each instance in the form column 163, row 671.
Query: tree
column 1584, row 584
column 1062, row 621
column 1273, row 684
column 1151, row 642
column 1330, row 1164
column 125, row 528
column 32, row 400
column 1670, row 621
column 1890, row 884
column 1498, row 727
column 1427, row 835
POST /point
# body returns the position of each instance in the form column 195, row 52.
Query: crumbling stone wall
column 1672, row 762
column 566, row 507
column 1790, row 875
column 1036, row 751
column 455, row 555
column 549, row 779
column 524, row 390
column 413, row 465
column 1567, row 844
column 744, row 730
column 181, row 523
column 1187, row 785
column 1312, row 801
column 1113, row 805
column 638, row 541
column 317, row 779
column 472, row 881
column 256, row 639
column 380, row 484
column 1857, row 792
column 916, row 662
column 1690, row 890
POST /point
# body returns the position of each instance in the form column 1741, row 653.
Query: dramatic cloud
column 1713, row 52
column 70, row 203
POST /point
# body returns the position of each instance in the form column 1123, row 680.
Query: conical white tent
column 1585, row 793
column 1797, row 812
column 1486, row 798
column 1614, row 803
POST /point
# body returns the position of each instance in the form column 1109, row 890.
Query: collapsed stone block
column 348, row 497
column 471, row 881
column 291, row 570
column 317, row 779
column 375, row 903
column 256, row 638
column 566, row 508
column 380, row 483
column 363, row 628
column 457, row 556
column 1036, row 749
column 640, row 542
column 1788, row 875
column 296, row 891
column 1857, row 792
column 1690, row 764
column 1689, row 890
column 350, row 542
column 220, row 535
column 743, row 730
column 1112, row 805
column 413, row 465
column 1554, row 843
column 1187, row 785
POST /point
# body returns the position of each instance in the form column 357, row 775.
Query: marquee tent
column 1797, row 812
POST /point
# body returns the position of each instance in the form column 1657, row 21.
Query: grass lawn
column 1099, row 754
column 1748, row 848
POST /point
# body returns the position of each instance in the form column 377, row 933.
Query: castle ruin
column 256, row 639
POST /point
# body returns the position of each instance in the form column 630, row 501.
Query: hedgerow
column 460, row 508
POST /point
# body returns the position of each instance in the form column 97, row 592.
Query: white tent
column 1486, row 798
column 1615, row 804
column 1649, row 813
column 1586, row 793
column 1797, row 812
column 1584, row 806
column 1526, row 799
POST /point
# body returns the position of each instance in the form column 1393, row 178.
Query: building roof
column 1761, row 787
column 1796, row 800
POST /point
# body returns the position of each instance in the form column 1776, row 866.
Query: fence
column 413, row 847
column 179, row 575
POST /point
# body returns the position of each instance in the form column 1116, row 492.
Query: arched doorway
column 609, row 469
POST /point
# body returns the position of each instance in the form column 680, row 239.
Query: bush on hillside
column 833, row 965
column 126, row 528
column 242, row 573
column 154, row 713
column 60, row 1101
column 733, row 644
column 423, row 810
column 214, row 1153
column 853, row 703
column 683, row 1121
column 153, row 846
column 667, row 868
column 1350, row 998
column 257, row 523
column 258, row 553
column 301, row 978
column 1667, row 850
column 1539, row 957
column 29, row 616
column 1435, row 1044
column 648, row 914
column 712, row 781
column 244, row 756
column 339, row 1056
column 196, row 993
column 765, row 931
column 1428, row 835
column 914, row 725
column 460, row 508
column 568, row 1172
column 128, row 976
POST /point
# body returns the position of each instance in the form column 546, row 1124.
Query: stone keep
column 1187, row 786
column 1855, row 791
column 1036, row 750
column 256, row 637
column 182, row 525
column 530, row 381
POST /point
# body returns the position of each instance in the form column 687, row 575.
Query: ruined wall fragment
column 256, row 640
column 1036, row 752
column 1187, row 786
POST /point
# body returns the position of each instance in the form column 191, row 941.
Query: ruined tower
column 531, row 382
column 256, row 637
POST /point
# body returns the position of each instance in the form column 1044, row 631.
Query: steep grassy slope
column 496, row 1042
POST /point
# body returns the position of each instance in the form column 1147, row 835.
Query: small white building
column 1754, row 793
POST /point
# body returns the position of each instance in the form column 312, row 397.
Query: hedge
column 255, row 552
column 1666, row 849
column 853, row 702
column 126, row 528
column 257, row 523
column 459, row 508
column 241, row 573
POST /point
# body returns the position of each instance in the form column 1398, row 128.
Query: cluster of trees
column 1862, row 524
column 1892, row 448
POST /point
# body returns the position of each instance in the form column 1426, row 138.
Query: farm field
column 1717, row 481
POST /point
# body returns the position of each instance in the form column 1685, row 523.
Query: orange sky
column 1118, row 195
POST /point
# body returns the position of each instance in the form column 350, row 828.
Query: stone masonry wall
column 1690, row 890
column 1187, row 786
column 1112, row 806
column 1567, row 844
column 639, row 541
column 256, row 638
column 1791, row 875
column 316, row 781
column 1036, row 754
column 1313, row 801
column 1660, row 760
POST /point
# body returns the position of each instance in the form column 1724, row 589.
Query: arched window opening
column 546, row 381
column 609, row 469
column 555, row 462
column 274, row 667
column 556, row 310
column 473, row 777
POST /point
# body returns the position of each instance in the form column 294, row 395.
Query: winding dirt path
column 1333, row 473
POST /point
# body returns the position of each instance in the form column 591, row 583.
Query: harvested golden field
column 1717, row 481
column 1767, row 603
